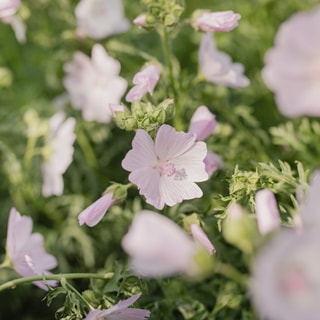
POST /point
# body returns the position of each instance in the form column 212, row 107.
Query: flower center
column 168, row 169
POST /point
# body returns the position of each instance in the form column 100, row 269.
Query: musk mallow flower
column 144, row 81
column 202, row 123
column 267, row 212
column 292, row 66
column 120, row 311
column 158, row 247
column 166, row 170
column 25, row 249
column 217, row 21
column 101, row 18
column 60, row 145
column 94, row 83
column 217, row 66
column 285, row 282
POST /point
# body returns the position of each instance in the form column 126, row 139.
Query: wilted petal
column 268, row 216
column 95, row 212
column 202, row 123
column 199, row 235
column 217, row 21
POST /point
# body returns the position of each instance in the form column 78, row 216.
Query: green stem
column 31, row 143
column 229, row 272
column 178, row 123
column 57, row 277
column 79, row 295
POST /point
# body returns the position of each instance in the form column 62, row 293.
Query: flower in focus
column 94, row 83
column 199, row 235
column 25, row 249
column 60, row 140
column 144, row 81
column 95, row 212
column 292, row 66
column 268, row 216
column 101, row 18
column 120, row 311
column 285, row 283
column 202, row 123
column 159, row 247
column 217, row 21
column 165, row 171
column 217, row 66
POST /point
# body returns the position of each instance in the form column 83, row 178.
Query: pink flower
column 159, row 247
column 285, row 282
column 94, row 83
column 292, row 66
column 120, row 311
column 101, row 18
column 202, row 123
column 140, row 20
column 217, row 21
column 144, row 81
column 9, row 7
column 268, row 216
column 25, row 249
column 95, row 212
column 165, row 171
column 60, row 140
column 199, row 235
column 212, row 163
column 217, row 66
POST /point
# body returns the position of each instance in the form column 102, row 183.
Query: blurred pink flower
column 159, row 247
column 60, row 140
column 202, row 123
column 25, row 249
column 267, row 212
column 285, row 282
column 115, row 107
column 217, row 66
column 217, row 21
column 140, row 20
column 120, row 311
column 94, row 83
column 101, row 18
column 144, row 81
column 95, row 212
column 165, row 171
column 9, row 7
column 199, row 235
column 292, row 66
column 212, row 163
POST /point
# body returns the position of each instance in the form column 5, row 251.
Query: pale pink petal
column 140, row 20
column 130, row 314
column 212, row 163
column 136, row 93
column 142, row 153
column 148, row 181
column 158, row 246
column 93, row 315
column 175, row 191
column 310, row 210
column 267, row 212
column 170, row 144
column 115, row 107
column 202, row 123
column 199, row 235
column 217, row 66
column 217, row 21
column 95, row 212
column 9, row 7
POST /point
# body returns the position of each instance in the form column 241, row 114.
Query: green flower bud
column 191, row 219
column 130, row 123
column 205, row 262
column 119, row 190
column 159, row 115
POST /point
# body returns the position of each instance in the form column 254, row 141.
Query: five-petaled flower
column 166, row 171
column 120, row 311
column 25, row 249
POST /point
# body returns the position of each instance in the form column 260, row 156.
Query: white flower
column 101, row 18
column 94, row 83
column 60, row 139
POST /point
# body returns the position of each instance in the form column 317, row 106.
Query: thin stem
column 79, row 295
column 230, row 272
column 57, row 277
column 31, row 143
column 178, row 117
